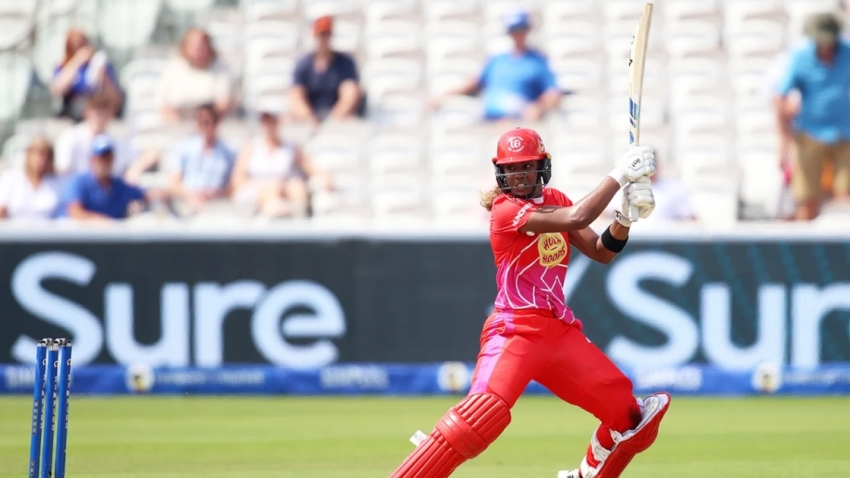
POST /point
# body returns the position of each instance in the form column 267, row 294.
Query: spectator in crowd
column 517, row 84
column 83, row 72
column 202, row 164
column 98, row 194
column 819, row 128
column 73, row 146
column 270, row 173
column 196, row 77
column 325, row 81
column 31, row 193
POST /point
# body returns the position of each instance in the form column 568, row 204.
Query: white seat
column 618, row 39
column 761, row 178
column 386, row 75
column 455, row 156
column 392, row 37
column 393, row 154
column 678, row 10
column 652, row 111
column 581, row 74
column 14, row 31
column 459, row 111
column 655, row 75
column 620, row 10
column 335, row 8
column 716, row 207
column 258, row 10
column 399, row 109
column 335, row 152
column 689, row 76
column 739, row 12
column 15, row 150
column 188, row 6
column 582, row 112
column 127, row 24
column 450, row 38
column 755, row 122
column 380, row 10
column 555, row 14
column 756, row 37
column 15, row 78
column 692, row 37
column 397, row 195
column 437, row 11
column 575, row 38
column 462, row 204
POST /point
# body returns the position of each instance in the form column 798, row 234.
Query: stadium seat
column 15, row 150
column 399, row 109
column 578, row 75
column 388, row 75
column 582, row 113
column 392, row 38
column 678, row 10
column 381, row 10
column 259, row 10
column 574, row 38
column 335, row 152
column 337, row 8
column 14, row 31
column 457, row 112
column 394, row 195
column 188, row 6
column 127, row 24
column 438, row 11
column 692, row 37
column 451, row 38
column 557, row 13
column 756, row 38
column 15, row 78
column 389, row 153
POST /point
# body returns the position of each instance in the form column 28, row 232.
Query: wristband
column 612, row 243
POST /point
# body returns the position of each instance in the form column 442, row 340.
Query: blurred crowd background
column 357, row 110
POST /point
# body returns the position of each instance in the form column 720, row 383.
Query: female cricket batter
column 532, row 334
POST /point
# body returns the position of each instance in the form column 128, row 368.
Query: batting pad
column 463, row 433
column 632, row 443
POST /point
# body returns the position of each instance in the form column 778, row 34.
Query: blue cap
column 517, row 20
column 101, row 144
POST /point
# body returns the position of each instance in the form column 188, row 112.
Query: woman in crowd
column 271, row 175
column 194, row 78
column 84, row 71
column 33, row 192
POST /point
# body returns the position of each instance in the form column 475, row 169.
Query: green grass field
column 367, row 437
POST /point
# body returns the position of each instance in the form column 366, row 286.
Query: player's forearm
column 575, row 217
column 602, row 253
column 783, row 122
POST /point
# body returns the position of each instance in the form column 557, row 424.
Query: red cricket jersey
column 531, row 267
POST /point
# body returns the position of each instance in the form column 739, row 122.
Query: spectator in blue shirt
column 517, row 84
column 83, row 72
column 820, row 71
column 98, row 194
column 202, row 164
column 325, row 81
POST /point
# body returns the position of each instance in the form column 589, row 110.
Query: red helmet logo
column 519, row 145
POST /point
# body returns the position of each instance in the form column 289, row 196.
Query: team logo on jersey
column 514, row 144
column 552, row 249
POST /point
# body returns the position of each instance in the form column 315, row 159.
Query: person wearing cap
column 202, row 164
column 819, row 70
column 325, row 82
column 271, row 175
column 517, row 84
column 98, row 194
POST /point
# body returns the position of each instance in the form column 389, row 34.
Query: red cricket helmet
column 520, row 145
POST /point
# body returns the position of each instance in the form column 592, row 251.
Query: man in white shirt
column 73, row 147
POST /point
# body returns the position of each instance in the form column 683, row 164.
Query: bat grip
column 634, row 213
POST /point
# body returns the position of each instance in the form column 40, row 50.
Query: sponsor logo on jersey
column 552, row 249
column 521, row 213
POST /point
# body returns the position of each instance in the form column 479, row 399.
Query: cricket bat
column 637, row 59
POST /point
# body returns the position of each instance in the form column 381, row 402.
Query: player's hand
column 622, row 214
column 640, row 195
column 638, row 162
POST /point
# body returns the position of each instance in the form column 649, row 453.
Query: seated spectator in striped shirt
column 33, row 192
column 202, row 164
column 98, row 195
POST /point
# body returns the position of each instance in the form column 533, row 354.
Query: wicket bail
column 52, row 386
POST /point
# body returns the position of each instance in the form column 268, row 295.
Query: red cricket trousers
column 524, row 345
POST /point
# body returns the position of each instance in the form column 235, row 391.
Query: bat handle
column 634, row 213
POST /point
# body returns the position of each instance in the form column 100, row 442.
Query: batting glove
column 638, row 162
column 640, row 195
